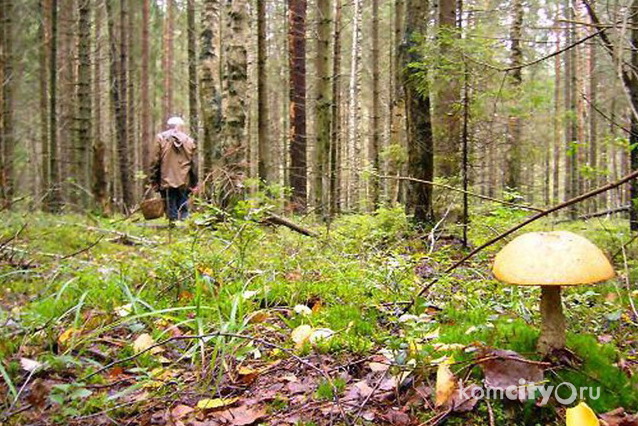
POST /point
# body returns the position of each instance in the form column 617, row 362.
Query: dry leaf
column 445, row 382
column 67, row 335
column 30, row 365
column 211, row 404
column 301, row 334
column 242, row 415
column 581, row 415
column 180, row 411
column 619, row 417
column 143, row 342
column 320, row 334
column 507, row 369
column 257, row 317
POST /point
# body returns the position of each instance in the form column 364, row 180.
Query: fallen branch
column 620, row 209
column 526, row 222
column 462, row 191
column 278, row 220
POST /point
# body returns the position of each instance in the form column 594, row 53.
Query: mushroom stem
column 553, row 320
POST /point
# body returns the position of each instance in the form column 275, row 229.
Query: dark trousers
column 176, row 200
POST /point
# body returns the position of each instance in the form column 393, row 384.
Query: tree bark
column 335, row 138
column 633, row 137
column 373, row 150
column 235, row 147
column 144, row 86
column 44, row 8
column 7, row 139
column 419, row 123
column 265, row 171
column 84, row 105
column 513, row 156
column 99, row 185
column 210, row 91
column 119, row 97
column 297, row 60
column 168, row 61
column 193, row 120
column 54, row 198
column 323, row 105
column 447, row 117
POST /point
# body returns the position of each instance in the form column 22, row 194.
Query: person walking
column 174, row 168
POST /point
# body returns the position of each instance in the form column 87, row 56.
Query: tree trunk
column 323, row 104
column 557, row 127
column 144, row 86
column 168, row 62
column 513, row 157
column 397, row 106
column 447, row 117
column 297, row 60
column 352, row 147
column 235, row 93
column 571, row 130
column 99, row 186
column 54, row 198
column 335, row 139
column 192, row 70
column 119, row 97
column 84, row 105
column 633, row 137
column 210, row 84
column 373, row 150
column 7, row 139
column 44, row 8
column 419, row 124
column 265, row 170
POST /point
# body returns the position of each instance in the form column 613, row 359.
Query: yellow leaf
column 581, row 415
column 301, row 334
column 143, row 342
column 211, row 404
column 67, row 335
column 445, row 382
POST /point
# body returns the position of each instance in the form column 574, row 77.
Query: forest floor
column 125, row 322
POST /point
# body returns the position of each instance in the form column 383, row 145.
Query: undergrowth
column 77, row 290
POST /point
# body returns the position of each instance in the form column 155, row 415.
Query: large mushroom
column 551, row 260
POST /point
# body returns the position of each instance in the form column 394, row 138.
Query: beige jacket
column 174, row 161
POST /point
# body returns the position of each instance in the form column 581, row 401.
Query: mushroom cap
column 551, row 258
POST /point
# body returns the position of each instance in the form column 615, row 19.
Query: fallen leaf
column 180, row 411
column 445, row 382
column 605, row 338
column 30, row 365
column 242, row 415
column 38, row 393
column 257, row 317
column 124, row 310
column 211, row 404
column 581, row 415
column 619, row 417
column 143, row 342
column 67, row 334
column 508, row 369
column 463, row 399
column 301, row 334
column 320, row 334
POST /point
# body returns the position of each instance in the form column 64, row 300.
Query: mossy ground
column 201, row 279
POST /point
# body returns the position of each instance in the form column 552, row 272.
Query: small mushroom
column 551, row 260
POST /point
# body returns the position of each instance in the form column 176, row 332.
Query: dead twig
column 278, row 220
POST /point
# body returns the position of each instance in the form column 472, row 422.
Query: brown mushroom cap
column 551, row 258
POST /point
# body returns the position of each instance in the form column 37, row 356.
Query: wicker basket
column 152, row 208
